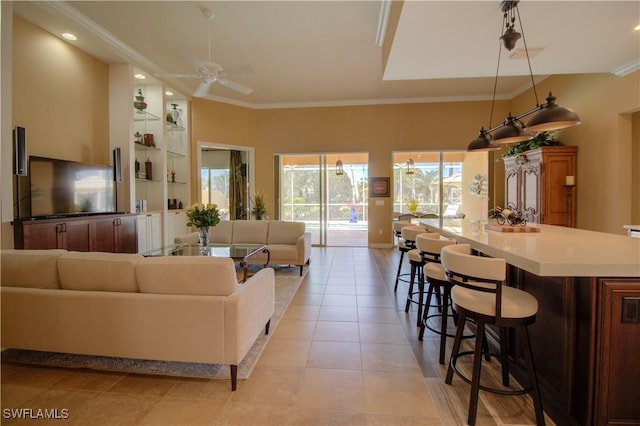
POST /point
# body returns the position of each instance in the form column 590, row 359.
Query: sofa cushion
column 281, row 232
column 194, row 275
column 97, row 271
column 250, row 231
column 222, row 232
column 30, row 268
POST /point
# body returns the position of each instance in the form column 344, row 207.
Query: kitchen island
column 586, row 339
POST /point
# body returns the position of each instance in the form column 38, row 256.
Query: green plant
column 259, row 207
column 540, row 139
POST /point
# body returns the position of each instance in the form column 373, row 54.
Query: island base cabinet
column 586, row 344
column 617, row 395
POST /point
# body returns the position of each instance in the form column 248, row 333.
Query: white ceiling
column 304, row 53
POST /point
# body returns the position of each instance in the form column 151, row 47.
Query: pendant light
column 339, row 168
column 548, row 116
column 411, row 166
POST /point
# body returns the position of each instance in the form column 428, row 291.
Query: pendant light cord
column 495, row 82
column 526, row 51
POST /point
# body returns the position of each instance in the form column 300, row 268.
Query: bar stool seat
column 479, row 293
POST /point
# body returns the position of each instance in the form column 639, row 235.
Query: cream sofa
column 287, row 242
column 124, row 305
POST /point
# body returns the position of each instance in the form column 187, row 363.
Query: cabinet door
column 39, row 236
column 512, row 183
column 617, row 367
column 530, row 196
column 76, row 236
column 125, row 235
column 176, row 225
column 103, row 235
column 154, row 231
column 141, row 222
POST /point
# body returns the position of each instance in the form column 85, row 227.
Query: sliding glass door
column 332, row 202
column 441, row 184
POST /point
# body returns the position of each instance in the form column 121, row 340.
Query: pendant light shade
column 482, row 142
column 512, row 131
column 339, row 168
column 552, row 117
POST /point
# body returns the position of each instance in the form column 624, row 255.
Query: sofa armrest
column 246, row 312
column 303, row 244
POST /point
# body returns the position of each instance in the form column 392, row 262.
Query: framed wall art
column 379, row 187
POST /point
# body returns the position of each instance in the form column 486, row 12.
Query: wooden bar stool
column 417, row 263
column 404, row 246
column 434, row 274
column 480, row 293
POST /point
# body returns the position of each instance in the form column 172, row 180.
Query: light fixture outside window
column 339, row 168
column 411, row 167
column 548, row 116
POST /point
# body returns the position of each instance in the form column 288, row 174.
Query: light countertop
column 554, row 251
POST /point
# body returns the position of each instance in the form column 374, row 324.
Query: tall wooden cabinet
column 535, row 183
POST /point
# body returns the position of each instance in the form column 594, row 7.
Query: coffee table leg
column 243, row 265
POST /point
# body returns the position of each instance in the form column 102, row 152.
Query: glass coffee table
column 240, row 253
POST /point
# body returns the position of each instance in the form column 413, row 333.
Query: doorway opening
column 225, row 178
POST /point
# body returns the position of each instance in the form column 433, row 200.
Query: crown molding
column 627, row 69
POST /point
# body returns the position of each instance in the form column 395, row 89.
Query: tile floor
column 344, row 353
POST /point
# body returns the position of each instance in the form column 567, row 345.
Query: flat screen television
column 64, row 188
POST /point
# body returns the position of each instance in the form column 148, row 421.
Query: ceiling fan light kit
column 548, row 116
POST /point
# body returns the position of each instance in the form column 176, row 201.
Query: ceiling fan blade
column 178, row 75
column 236, row 86
column 203, row 89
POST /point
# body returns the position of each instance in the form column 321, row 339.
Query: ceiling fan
column 211, row 72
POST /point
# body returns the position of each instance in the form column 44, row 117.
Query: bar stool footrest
column 425, row 321
column 521, row 391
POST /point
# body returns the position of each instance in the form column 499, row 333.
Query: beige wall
column 60, row 95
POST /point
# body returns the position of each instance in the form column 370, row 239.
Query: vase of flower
column 203, row 216
column 203, row 236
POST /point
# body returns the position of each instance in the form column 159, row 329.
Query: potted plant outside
column 259, row 210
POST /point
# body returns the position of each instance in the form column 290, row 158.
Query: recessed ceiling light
column 168, row 93
column 637, row 28
column 69, row 36
column 140, row 76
